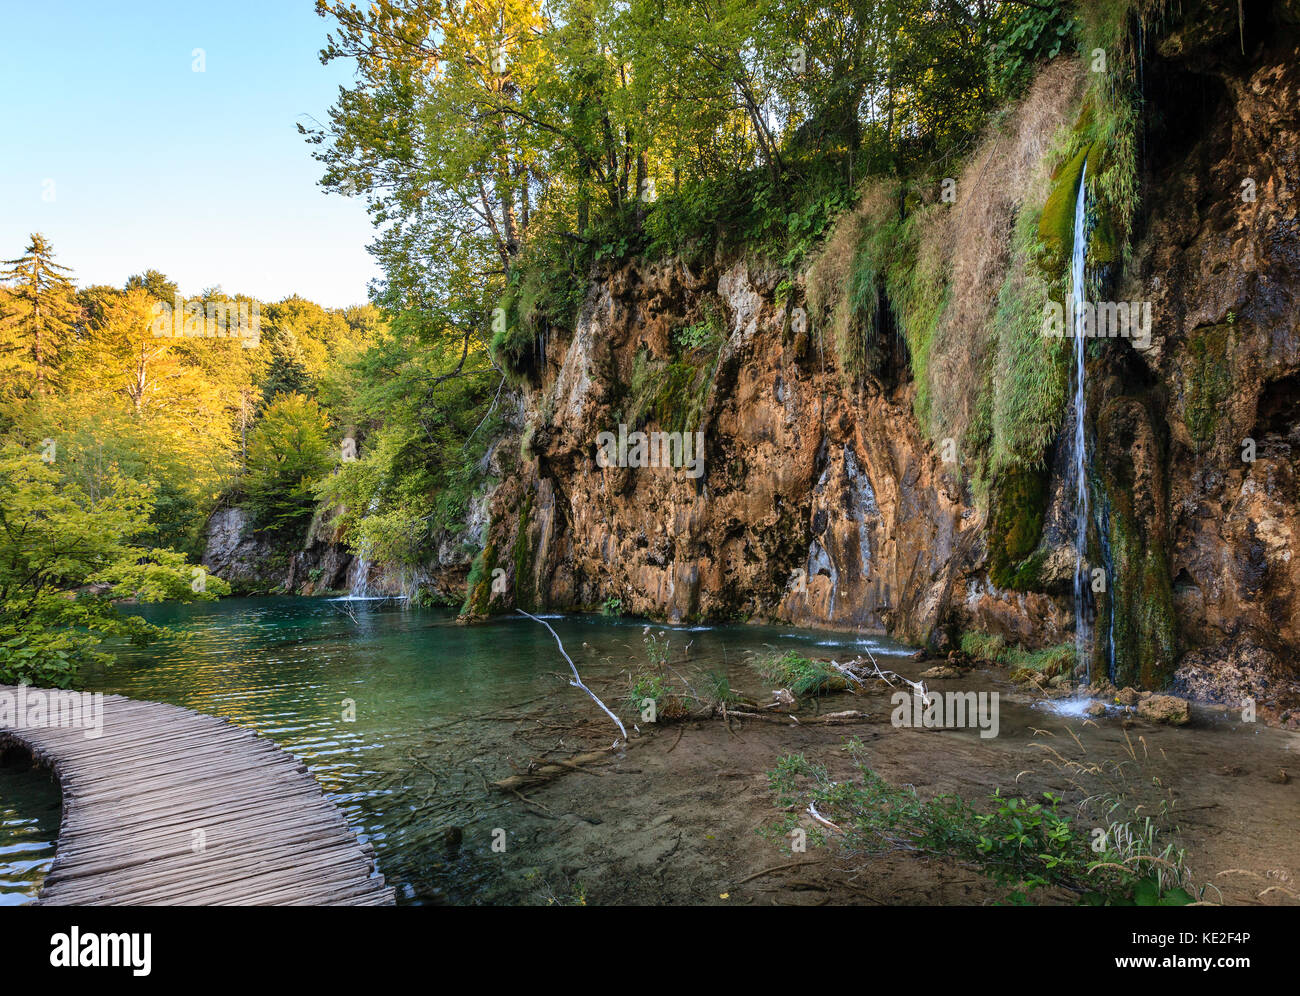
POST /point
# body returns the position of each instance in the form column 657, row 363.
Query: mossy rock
column 1209, row 381
column 1141, row 600
column 1019, row 506
column 522, row 555
column 1056, row 225
column 478, row 585
column 1103, row 244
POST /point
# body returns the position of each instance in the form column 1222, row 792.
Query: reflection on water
column 30, row 808
column 418, row 751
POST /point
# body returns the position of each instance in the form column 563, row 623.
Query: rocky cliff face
column 817, row 505
column 255, row 563
column 249, row 561
column 813, row 506
column 1203, row 429
column 822, row 505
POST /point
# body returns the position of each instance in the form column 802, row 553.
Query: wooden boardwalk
column 172, row 807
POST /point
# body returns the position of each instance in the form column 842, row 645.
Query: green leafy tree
column 66, row 559
column 289, row 450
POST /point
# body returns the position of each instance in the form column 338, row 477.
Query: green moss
column 1056, row 224
column 1029, row 373
column 1029, row 573
column 918, row 282
column 844, row 284
column 1139, row 608
column 1103, row 244
column 1142, row 601
column 1209, row 381
column 478, row 585
column 672, row 393
column 544, row 291
column 522, row 555
column 1019, row 504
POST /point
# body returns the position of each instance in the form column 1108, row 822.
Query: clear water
column 416, row 758
column 30, row 808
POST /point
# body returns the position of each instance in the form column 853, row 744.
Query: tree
column 65, row 559
column 155, row 284
column 38, row 321
column 160, row 410
column 288, row 452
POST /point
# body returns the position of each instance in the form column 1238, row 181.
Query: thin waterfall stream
column 1078, row 293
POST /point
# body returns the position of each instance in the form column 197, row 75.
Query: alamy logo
column 77, row 950
column 680, row 450
column 213, row 320
column 1098, row 320
column 946, row 711
column 44, row 708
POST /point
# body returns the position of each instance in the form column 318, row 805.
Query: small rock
column 784, row 698
column 451, row 839
column 918, row 656
column 1127, row 696
column 1281, row 778
column 1095, row 709
column 941, row 671
column 1165, row 709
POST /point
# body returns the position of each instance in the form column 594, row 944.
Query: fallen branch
column 829, row 719
column 812, row 811
column 577, row 679
column 769, row 871
column 546, row 772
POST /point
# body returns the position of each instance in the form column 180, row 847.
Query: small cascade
column 359, row 577
column 1078, row 294
column 359, row 571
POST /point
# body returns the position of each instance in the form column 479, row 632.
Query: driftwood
column 829, row 719
column 549, row 771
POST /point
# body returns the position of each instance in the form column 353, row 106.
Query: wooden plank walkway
column 172, row 807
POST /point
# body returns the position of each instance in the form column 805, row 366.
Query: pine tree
column 38, row 320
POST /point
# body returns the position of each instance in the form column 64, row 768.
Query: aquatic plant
column 801, row 675
column 1023, row 845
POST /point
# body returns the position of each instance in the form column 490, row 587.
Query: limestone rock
column 1165, row 709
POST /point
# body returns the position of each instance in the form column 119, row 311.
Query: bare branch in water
column 577, row 679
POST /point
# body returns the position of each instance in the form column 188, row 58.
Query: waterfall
column 1078, row 292
column 360, row 571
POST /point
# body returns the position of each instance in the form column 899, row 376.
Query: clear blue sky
column 201, row 175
